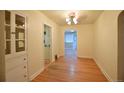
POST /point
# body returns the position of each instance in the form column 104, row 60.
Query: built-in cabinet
column 15, row 46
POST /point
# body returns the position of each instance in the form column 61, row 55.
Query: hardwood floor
column 71, row 69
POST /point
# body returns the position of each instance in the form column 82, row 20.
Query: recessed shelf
column 20, row 39
column 8, row 32
column 7, row 24
column 20, row 21
column 7, row 17
column 8, row 47
column 20, row 45
column 8, row 39
column 20, row 34
column 20, row 27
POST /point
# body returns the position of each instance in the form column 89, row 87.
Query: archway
column 121, row 46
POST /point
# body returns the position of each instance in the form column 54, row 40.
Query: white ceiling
column 84, row 16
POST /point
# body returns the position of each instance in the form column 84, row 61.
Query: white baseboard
column 35, row 74
column 80, row 56
column 103, row 71
column 101, row 68
column 85, row 57
column 61, row 56
column 38, row 72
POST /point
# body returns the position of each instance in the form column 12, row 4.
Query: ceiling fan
column 72, row 18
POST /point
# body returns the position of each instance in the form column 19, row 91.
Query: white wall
column 84, row 39
column 106, row 43
column 35, row 24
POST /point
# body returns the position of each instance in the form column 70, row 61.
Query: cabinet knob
column 25, row 75
column 24, row 66
column 24, row 58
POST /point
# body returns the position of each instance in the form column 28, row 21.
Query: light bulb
column 67, row 19
column 75, row 20
column 69, row 23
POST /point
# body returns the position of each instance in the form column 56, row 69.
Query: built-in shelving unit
column 14, row 29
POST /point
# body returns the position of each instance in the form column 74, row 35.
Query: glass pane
column 20, row 34
column 7, row 17
column 47, row 35
column 8, row 47
column 20, row 45
column 20, row 21
column 8, row 32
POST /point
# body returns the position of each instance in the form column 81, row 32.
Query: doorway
column 121, row 46
column 70, row 42
column 47, row 44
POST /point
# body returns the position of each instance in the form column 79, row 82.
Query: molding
column 101, row 68
column 103, row 71
column 52, row 60
column 86, row 57
column 35, row 74
column 61, row 56
column 38, row 72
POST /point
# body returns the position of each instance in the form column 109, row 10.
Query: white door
column 47, row 43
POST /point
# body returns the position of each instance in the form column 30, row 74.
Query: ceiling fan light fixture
column 71, row 19
column 67, row 19
column 75, row 20
column 69, row 22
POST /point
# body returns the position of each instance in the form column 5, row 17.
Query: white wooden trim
column 35, row 74
column 51, row 46
column 103, row 71
column 85, row 57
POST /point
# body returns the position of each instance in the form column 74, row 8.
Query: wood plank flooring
column 71, row 69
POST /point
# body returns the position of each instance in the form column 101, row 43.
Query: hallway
column 80, row 40
column 71, row 69
column 54, row 46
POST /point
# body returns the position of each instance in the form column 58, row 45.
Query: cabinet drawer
column 13, row 63
column 17, row 74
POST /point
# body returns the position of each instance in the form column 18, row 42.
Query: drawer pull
column 25, row 75
column 24, row 66
column 24, row 58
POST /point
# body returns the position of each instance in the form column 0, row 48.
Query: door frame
column 75, row 30
column 50, row 39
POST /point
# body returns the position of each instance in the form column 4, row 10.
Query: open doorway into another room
column 70, row 40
